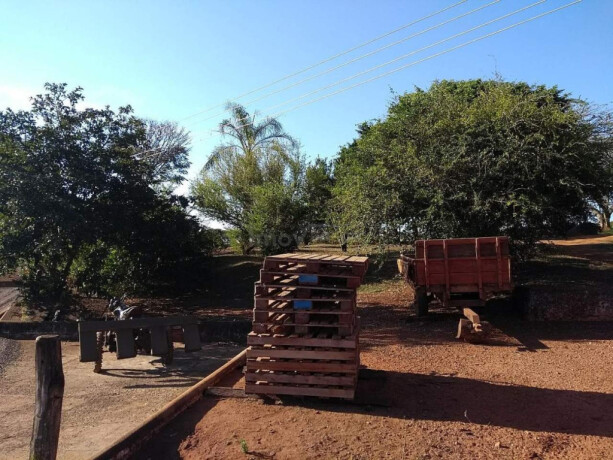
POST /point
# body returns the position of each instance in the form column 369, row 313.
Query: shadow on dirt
column 383, row 324
column 166, row 444
column 450, row 398
column 434, row 397
column 185, row 371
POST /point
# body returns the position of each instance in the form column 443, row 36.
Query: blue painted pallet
column 307, row 279
column 303, row 304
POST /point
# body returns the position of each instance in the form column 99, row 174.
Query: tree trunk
column 606, row 221
column 603, row 211
column 344, row 243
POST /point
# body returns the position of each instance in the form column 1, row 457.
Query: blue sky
column 170, row 60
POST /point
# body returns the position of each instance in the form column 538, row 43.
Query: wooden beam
column 472, row 316
column 49, row 397
column 129, row 444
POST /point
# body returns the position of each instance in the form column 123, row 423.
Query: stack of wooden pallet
column 305, row 326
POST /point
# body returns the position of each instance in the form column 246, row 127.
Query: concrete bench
column 125, row 335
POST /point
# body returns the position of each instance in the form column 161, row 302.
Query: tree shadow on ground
column 450, row 398
column 186, row 369
column 381, row 324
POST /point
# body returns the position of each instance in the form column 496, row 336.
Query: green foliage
column 254, row 183
column 275, row 218
column 76, row 197
column 470, row 158
column 100, row 270
column 317, row 194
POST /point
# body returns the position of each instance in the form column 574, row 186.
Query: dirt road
column 8, row 295
column 97, row 408
column 9, row 350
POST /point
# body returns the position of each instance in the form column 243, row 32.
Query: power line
column 306, row 69
column 533, row 18
column 432, row 56
column 358, row 58
column 404, row 56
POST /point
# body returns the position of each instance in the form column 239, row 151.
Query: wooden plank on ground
column 300, row 391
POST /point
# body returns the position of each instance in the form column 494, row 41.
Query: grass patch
column 379, row 286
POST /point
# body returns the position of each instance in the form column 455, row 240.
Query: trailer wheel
column 421, row 302
column 520, row 300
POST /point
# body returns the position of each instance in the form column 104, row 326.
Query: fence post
column 49, row 396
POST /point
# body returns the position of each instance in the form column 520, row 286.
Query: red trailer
column 460, row 272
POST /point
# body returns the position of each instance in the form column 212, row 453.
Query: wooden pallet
column 288, row 365
column 317, row 379
column 290, row 306
column 331, row 372
column 325, row 339
column 303, row 329
column 273, row 278
column 314, row 263
column 303, row 316
column 301, row 293
column 293, row 316
column 287, row 325
column 298, row 390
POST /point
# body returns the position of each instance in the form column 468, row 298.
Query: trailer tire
column 421, row 302
column 520, row 301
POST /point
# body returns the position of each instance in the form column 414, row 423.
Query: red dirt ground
column 534, row 391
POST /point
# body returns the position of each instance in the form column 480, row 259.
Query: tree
column 72, row 185
column 62, row 169
column 166, row 148
column 472, row 158
column 258, row 161
column 601, row 203
column 317, row 194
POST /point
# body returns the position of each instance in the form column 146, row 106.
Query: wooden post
column 49, row 395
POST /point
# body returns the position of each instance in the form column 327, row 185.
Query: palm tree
column 256, row 153
column 251, row 139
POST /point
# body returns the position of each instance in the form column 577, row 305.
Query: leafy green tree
column 72, row 185
column 472, row 158
column 601, row 203
column 258, row 164
column 317, row 194
column 62, row 169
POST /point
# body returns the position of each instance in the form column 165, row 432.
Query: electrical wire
column 432, row 56
column 358, row 58
column 336, row 56
column 404, row 56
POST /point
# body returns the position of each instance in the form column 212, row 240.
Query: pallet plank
column 300, row 391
